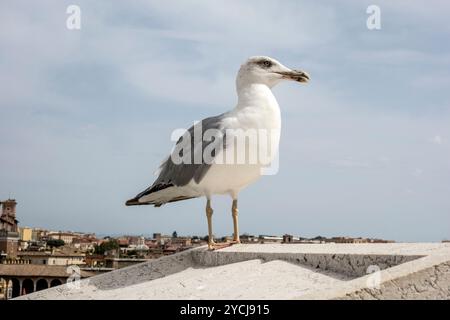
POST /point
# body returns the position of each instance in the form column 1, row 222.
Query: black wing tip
column 154, row 188
column 136, row 202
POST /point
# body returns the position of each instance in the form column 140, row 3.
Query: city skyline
column 87, row 114
column 39, row 230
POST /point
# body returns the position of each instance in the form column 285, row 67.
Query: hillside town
column 33, row 259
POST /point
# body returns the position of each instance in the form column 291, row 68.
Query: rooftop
column 37, row 270
column 277, row 271
column 50, row 254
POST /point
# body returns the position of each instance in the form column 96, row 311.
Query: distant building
column 23, row 245
column 38, row 234
column 20, row 279
column 157, row 236
column 67, row 237
column 140, row 241
column 53, row 259
column 133, row 240
column 270, row 239
column 161, row 239
column 182, row 241
column 95, row 260
column 9, row 242
column 8, row 219
column 123, row 242
column 246, row 238
column 288, row 238
column 348, row 240
column 141, row 246
column 151, row 243
column 9, row 233
column 356, row 240
column 37, row 246
column 84, row 244
column 26, row 234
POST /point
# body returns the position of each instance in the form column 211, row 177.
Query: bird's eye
column 265, row 63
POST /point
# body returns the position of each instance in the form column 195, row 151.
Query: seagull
column 206, row 166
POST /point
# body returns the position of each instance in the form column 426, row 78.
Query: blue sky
column 86, row 115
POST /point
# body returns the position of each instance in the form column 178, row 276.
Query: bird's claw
column 217, row 246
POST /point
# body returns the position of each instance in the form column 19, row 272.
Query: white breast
column 257, row 114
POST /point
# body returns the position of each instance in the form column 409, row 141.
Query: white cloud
column 437, row 139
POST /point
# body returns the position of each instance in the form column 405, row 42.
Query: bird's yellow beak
column 295, row 75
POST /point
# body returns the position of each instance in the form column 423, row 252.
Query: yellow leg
column 234, row 213
column 209, row 212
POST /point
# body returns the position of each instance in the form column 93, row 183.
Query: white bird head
column 268, row 71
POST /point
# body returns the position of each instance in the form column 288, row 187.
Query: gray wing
column 178, row 175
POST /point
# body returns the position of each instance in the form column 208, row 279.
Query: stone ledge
column 277, row 271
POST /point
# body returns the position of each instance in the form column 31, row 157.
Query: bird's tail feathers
column 160, row 194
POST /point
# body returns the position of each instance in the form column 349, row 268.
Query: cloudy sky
column 86, row 115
